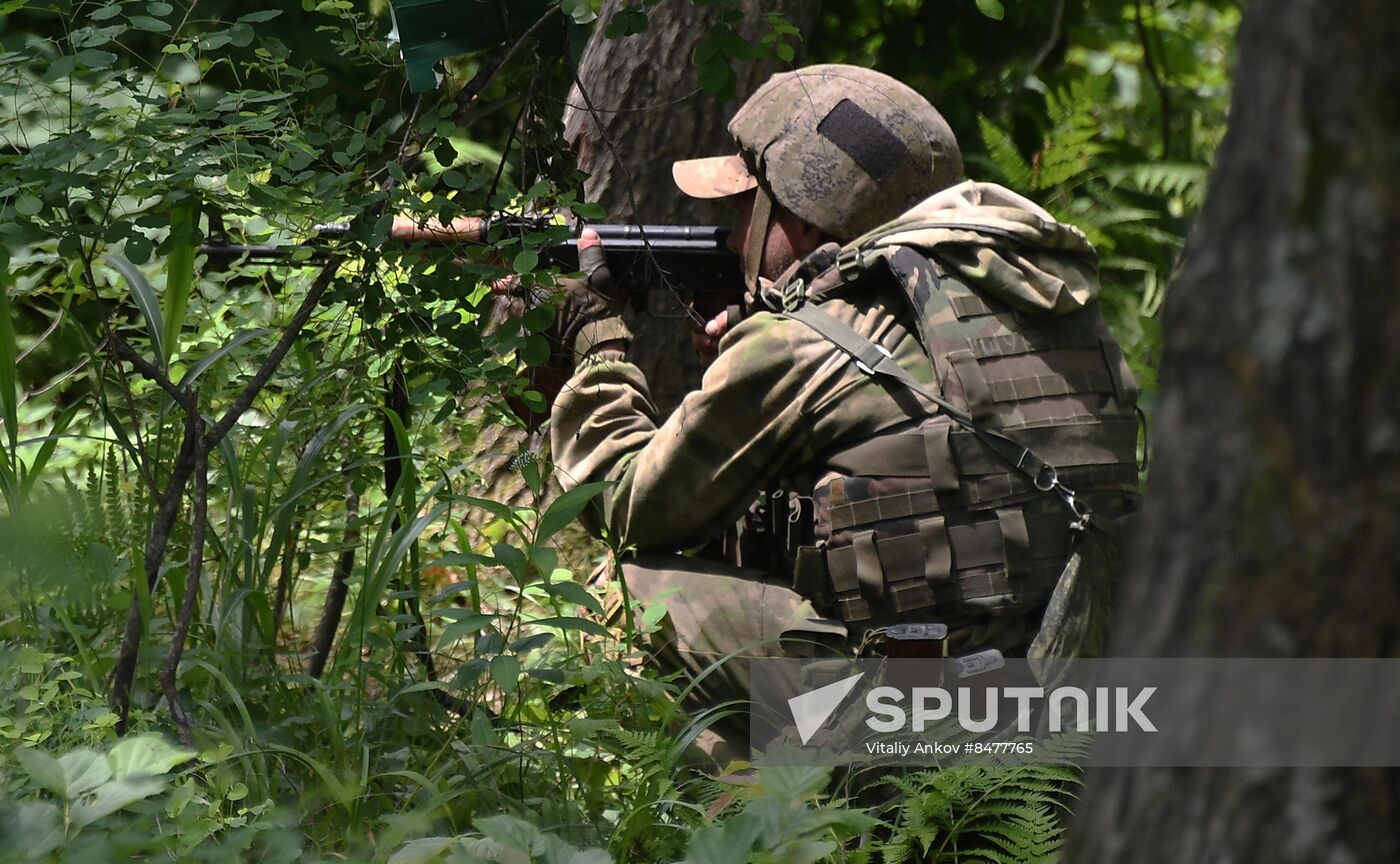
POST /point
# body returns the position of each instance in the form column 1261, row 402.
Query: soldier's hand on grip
column 590, row 316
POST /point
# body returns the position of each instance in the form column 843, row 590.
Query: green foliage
column 1108, row 121
column 479, row 699
column 994, row 814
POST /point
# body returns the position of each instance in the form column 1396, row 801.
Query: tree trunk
column 1272, row 525
column 648, row 111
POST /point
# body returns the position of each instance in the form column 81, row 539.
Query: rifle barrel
column 619, row 239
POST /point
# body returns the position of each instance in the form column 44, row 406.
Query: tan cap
column 713, row 177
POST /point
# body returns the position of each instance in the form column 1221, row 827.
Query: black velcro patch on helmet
column 863, row 138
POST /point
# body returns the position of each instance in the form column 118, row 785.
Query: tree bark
column 1272, row 525
column 648, row 112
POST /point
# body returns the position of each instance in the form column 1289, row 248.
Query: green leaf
column 715, row 76
column 259, row 17
column 43, row 769
column 9, row 351
column 461, row 559
column 146, row 22
column 1009, row 161
column 511, row 558
column 566, row 508
column 992, row 9
column 145, row 754
column 626, row 22
column 572, row 592
column 473, row 622
column 46, row 449
column 526, row 260
column 138, row 249
column 113, row 796
column 83, row 771
column 535, row 351
column 506, row 670
column 538, row 319
column 28, row 205
column 423, row 850
column 94, row 59
column 145, row 298
column 202, row 366
column 179, row 277
column 580, row 10
column 589, row 210
column 573, row 622
column 36, row 826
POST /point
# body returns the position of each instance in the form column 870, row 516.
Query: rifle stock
column 664, row 269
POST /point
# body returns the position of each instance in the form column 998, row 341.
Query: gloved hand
column 590, row 316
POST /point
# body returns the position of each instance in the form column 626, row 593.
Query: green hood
column 1000, row 243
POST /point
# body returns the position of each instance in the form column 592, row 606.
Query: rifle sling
column 876, row 362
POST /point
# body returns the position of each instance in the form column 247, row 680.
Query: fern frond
column 1010, row 164
column 1166, row 179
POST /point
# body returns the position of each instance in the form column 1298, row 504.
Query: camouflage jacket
column 779, row 394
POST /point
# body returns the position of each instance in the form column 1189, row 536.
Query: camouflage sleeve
column 777, row 395
column 678, row 481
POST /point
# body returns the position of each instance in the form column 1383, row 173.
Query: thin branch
column 1163, row 92
column 169, row 506
column 334, row 607
column 43, row 337
column 630, row 185
column 472, row 91
column 1053, row 39
column 284, row 578
column 124, row 350
column 187, row 603
column 274, row 359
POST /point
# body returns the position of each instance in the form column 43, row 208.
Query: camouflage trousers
column 719, row 618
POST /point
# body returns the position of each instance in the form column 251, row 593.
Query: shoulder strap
column 876, row 362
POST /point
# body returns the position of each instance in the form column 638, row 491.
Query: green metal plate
column 431, row 30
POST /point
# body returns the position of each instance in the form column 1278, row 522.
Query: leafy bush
column 250, row 507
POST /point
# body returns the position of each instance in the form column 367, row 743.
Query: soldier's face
column 789, row 238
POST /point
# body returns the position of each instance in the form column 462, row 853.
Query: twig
column 630, row 185
column 43, row 337
column 284, row 578
column 1163, row 92
column 123, row 349
column 326, row 628
column 187, row 603
column 1053, row 39
column 274, row 359
column 471, row 92
column 510, row 139
column 169, row 506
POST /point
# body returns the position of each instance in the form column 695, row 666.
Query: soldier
column 918, row 353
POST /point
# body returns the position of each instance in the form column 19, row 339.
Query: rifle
column 666, row 270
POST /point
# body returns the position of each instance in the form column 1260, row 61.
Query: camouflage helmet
column 844, row 148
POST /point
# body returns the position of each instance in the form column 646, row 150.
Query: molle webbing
column 1095, row 455
column 1008, row 561
column 949, row 510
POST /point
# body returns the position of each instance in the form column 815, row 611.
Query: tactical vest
column 926, row 516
